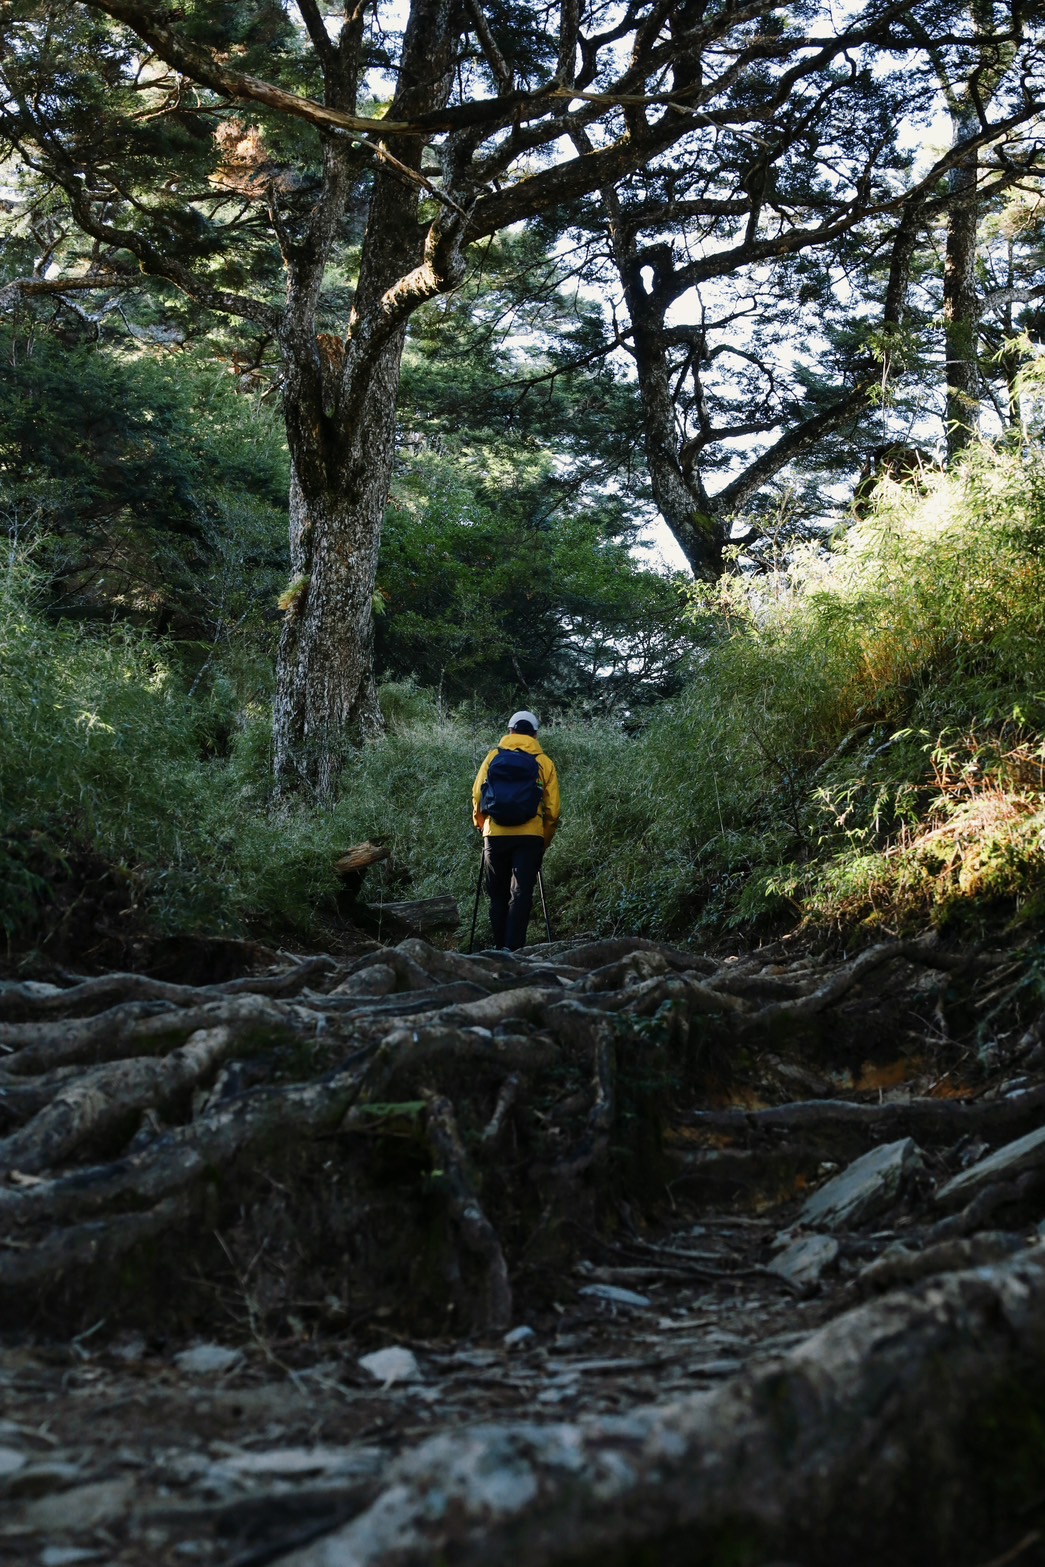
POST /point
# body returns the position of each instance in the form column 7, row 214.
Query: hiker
column 515, row 805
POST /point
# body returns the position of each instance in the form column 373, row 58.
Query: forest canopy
column 747, row 198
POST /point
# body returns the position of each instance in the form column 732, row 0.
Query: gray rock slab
column 1026, row 1153
column 292, row 1462
column 804, row 1262
column 204, row 1360
column 865, row 1189
column 616, row 1296
column 391, row 1365
column 78, row 1511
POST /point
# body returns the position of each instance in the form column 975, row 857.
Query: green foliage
column 508, row 562
column 864, row 743
column 174, row 174
column 146, row 490
column 497, row 582
column 99, row 432
column 94, row 746
column 876, row 701
column 518, row 353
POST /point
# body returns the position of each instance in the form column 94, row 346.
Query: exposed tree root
column 101, row 1099
column 467, row 1216
column 899, row 1432
column 33, row 999
column 564, row 1052
column 928, row 1120
column 416, row 1145
column 949, row 1256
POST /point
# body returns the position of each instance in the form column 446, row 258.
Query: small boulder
column 392, row 1365
column 1026, row 1153
column 865, row 1189
column 804, row 1262
column 519, row 1336
column 205, row 1360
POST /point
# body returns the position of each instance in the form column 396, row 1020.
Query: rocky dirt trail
column 605, row 1250
column 235, row 1451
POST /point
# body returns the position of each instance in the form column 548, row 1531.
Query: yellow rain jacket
column 542, row 825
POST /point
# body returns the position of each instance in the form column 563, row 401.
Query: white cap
column 524, row 717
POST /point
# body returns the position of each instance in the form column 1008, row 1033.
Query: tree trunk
column 326, row 698
column 961, row 305
column 681, row 499
column 967, row 103
column 700, row 522
column 701, row 535
column 340, row 399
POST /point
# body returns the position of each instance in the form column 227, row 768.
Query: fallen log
column 439, row 913
column 351, row 867
column 359, row 857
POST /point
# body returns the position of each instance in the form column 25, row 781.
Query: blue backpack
column 511, row 794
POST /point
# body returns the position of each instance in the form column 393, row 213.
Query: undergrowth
column 886, row 708
column 864, row 749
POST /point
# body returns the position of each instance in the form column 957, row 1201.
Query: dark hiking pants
column 511, row 864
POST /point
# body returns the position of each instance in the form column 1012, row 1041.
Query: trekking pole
column 544, row 906
column 478, row 890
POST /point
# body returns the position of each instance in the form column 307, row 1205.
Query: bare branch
column 495, row 59
column 317, row 32
column 12, row 293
